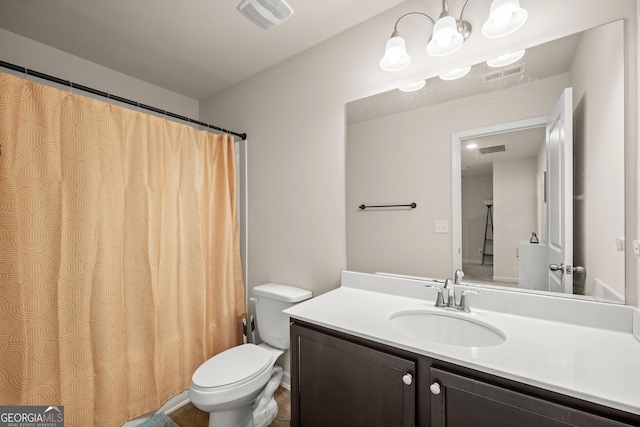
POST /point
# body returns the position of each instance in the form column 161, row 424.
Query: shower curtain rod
column 43, row 76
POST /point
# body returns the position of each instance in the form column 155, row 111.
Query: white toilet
column 236, row 386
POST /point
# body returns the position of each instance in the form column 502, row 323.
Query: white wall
column 514, row 213
column 598, row 90
column 294, row 116
column 36, row 56
column 632, row 190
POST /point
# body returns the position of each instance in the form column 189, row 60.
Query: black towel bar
column 412, row 206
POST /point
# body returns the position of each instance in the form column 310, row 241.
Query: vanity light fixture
column 412, row 87
column 472, row 145
column 505, row 17
column 506, row 59
column 449, row 33
column 456, row 74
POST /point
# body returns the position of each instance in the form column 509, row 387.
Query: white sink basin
column 447, row 328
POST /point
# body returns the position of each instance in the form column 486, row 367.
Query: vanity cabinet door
column 339, row 383
column 458, row 401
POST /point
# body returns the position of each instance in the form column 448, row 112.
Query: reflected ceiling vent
column 266, row 14
column 503, row 73
column 492, row 149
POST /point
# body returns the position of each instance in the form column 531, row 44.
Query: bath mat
column 158, row 420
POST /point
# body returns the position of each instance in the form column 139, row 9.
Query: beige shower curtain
column 120, row 267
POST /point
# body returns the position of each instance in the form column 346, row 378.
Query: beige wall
column 632, row 191
column 598, row 97
column 36, row 56
column 514, row 213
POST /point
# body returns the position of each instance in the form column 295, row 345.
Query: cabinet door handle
column 407, row 379
column 435, row 388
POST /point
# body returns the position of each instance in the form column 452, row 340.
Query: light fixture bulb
column 444, row 30
column 472, row 145
column 412, row 87
column 445, row 39
column 456, row 74
column 505, row 17
column 502, row 16
column 506, row 59
column 395, row 56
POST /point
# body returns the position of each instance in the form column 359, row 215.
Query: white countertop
column 597, row 364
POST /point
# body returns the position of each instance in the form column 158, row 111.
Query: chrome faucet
column 450, row 287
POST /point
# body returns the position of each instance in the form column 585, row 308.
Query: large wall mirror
column 482, row 158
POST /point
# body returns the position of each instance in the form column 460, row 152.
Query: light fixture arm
column 464, row 27
column 395, row 27
column 449, row 33
column 445, row 8
column 462, row 11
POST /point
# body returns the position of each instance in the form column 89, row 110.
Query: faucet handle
column 464, row 303
column 439, row 298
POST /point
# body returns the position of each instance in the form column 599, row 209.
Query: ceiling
column 518, row 145
column 196, row 48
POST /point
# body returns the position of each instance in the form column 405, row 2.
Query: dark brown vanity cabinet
column 459, row 401
column 340, row 380
column 341, row 383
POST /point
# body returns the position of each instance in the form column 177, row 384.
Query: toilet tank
column 271, row 299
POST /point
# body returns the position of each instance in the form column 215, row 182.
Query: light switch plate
column 636, row 247
column 442, row 226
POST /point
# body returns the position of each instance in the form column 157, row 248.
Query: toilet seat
column 233, row 367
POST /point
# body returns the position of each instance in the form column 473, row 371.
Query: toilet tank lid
column 282, row 292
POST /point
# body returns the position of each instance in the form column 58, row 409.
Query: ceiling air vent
column 266, row 14
column 503, row 73
column 492, row 149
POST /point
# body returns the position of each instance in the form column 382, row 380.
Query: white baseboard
column 286, row 380
column 173, row 404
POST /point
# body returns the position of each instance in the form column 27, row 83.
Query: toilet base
column 259, row 413
column 265, row 408
column 240, row 417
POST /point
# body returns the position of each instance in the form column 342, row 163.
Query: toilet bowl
column 236, row 386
